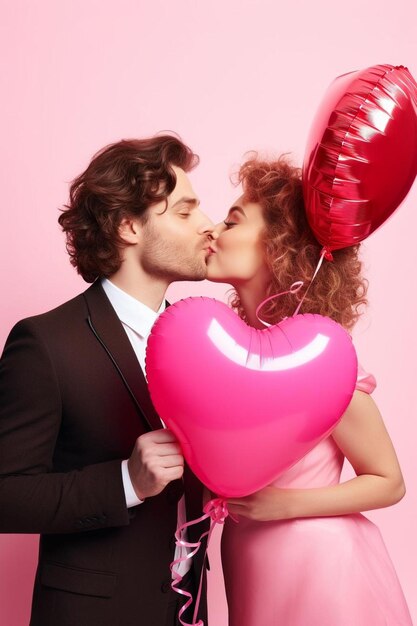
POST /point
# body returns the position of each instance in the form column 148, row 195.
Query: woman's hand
column 364, row 441
column 270, row 503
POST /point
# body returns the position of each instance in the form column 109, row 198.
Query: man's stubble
column 175, row 260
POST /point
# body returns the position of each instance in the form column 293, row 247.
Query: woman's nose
column 218, row 229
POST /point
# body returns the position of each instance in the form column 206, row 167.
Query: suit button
column 166, row 586
column 79, row 523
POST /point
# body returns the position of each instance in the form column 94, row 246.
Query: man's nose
column 217, row 230
column 208, row 228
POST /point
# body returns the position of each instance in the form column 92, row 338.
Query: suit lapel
column 109, row 331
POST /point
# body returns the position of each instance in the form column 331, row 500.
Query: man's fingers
column 174, row 460
column 156, row 453
column 156, row 437
column 173, row 473
column 167, row 449
column 163, row 435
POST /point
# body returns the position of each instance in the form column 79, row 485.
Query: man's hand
column 155, row 461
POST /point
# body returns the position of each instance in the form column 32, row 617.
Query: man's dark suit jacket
column 73, row 400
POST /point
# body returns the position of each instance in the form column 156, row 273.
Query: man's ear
column 130, row 230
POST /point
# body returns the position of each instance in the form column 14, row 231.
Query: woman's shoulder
column 365, row 381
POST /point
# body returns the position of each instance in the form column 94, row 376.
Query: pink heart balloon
column 246, row 404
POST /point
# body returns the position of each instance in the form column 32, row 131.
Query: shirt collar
column 138, row 316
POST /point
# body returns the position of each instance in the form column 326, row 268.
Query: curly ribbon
column 216, row 510
column 295, row 287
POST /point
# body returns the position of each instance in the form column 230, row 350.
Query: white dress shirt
column 137, row 319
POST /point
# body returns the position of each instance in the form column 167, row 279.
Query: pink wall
column 228, row 77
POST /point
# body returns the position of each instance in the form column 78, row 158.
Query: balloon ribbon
column 324, row 254
column 216, row 510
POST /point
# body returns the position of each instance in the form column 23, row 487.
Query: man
column 84, row 458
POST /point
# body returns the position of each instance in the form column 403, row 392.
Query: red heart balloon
column 246, row 404
column 361, row 155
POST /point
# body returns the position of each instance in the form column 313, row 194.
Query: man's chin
column 199, row 273
column 192, row 276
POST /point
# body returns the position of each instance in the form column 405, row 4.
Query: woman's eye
column 229, row 224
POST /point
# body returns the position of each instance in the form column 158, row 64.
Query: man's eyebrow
column 187, row 200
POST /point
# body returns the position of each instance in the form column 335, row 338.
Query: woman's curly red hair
column 292, row 252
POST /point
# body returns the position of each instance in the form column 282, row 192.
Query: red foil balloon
column 361, row 156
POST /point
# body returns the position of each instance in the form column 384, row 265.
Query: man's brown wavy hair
column 292, row 252
column 123, row 180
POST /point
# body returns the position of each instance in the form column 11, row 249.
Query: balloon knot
column 217, row 510
column 327, row 254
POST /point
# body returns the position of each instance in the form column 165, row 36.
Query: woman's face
column 239, row 253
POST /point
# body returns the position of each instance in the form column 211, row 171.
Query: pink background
column 228, row 77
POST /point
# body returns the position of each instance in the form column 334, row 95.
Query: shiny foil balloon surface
column 246, row 404
column 361, row 155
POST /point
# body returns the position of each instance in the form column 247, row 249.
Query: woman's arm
column 362, row 437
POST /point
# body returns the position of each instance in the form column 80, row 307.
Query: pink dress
column 318, row 571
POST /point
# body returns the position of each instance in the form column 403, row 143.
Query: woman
column 301, row 553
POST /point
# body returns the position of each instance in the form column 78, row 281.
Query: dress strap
column 365, row 382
